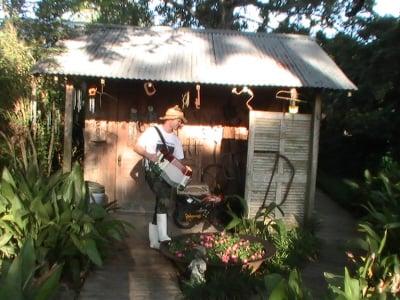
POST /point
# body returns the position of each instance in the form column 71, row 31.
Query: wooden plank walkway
column 135, row 271
column 336, row 228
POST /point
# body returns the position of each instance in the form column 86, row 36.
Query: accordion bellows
column 172, row 170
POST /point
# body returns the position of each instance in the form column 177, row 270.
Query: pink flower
column 179, row 254
column 225, row 258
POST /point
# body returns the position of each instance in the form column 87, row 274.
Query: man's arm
column 142, row 151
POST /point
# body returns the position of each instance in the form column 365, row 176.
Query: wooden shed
column 229, row 84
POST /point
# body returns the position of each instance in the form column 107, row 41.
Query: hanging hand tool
column 197, row 100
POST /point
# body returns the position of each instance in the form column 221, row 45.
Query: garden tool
column 162, row 228
column 153, row 236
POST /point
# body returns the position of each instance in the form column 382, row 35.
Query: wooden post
column 313, row 158
column 68, row 123
column 250, row 157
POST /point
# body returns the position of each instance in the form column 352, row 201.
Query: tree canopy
column 231, row 14
column 359, row 130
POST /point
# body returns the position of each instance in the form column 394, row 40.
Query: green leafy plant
column 26, row 279
column 16, row 60
column 56, row 213
column 376, row 267
column 224, row 284
column 377, row 275
column 32, row 136
column 279, row 288
column 294, row 245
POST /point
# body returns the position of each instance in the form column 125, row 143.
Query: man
column 147, row 146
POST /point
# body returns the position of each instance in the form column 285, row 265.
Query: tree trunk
column 226, row 14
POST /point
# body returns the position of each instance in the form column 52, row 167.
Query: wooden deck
column 138, row 272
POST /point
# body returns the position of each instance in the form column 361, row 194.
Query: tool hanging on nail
column 246, row 90
column 149, row 88
column 293, row 97
column 92, row 100
column 197, row 100
column 185, row 99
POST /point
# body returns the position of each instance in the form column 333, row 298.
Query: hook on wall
column 185, row 100
column 246, row 90
column 92, row 91
column 149, row 88
column 197, row 100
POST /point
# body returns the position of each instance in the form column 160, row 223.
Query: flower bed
column 221, row 248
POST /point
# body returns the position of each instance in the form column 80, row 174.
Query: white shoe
column 162, row 228
column 153, row 236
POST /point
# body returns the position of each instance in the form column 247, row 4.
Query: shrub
column 55, row 212
column 22, row 279
column 376, row 261
column 294, row 245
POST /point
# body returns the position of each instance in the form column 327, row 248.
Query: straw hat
column 174, row 113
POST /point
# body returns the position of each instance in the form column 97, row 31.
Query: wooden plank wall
column 110, row 134
column 290, row 136
column 215, row 133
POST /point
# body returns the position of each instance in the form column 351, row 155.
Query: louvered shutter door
column 290, row 135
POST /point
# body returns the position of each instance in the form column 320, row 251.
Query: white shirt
column 150, row 140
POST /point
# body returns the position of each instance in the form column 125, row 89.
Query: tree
column 359, row 130
column 230, row 14
column 51, row 25
column 124, row 12
column 13, row 8
column 15, row 62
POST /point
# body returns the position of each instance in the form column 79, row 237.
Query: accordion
column 172, row 170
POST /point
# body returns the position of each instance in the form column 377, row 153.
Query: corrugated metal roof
column 198, row 56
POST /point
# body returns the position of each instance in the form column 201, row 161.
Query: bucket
column 96, row 192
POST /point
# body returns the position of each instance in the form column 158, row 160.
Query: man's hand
column 152, row 157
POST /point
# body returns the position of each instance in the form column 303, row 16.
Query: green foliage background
column 371, row 116
column 16, row 60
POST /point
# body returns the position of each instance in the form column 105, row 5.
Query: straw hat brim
column 173, row 117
